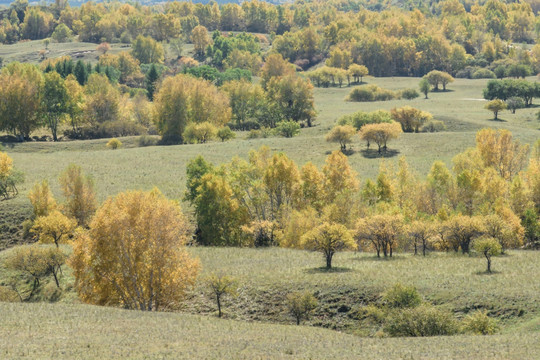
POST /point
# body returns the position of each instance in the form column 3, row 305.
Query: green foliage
column 479, row 323
column 146, row 140
column 424, row 87
column 483, row 74
column 301, row 304
column 488, row 247
column 221, row 285
column 287, row 129
column 361, row 118
column 368, row 93
column 409, row 94
column 400, row 296
column 420, row 321
column 433, row 126
column 225, row 133
column 147, row 50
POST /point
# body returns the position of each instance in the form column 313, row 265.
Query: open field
column 76, row 331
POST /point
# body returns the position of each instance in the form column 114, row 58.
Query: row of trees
column 269, row 200
column 92, row 104
column 389, row 42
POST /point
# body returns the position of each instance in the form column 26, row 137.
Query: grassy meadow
column 81, row 331
column 257, row 325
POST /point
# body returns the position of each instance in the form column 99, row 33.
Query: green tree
column 55, row 100
column 424, row 87
column 495, row 106
column 222, row 285
column 488, row 247
column 301, row 304
column 151, row 78
column 147, row 50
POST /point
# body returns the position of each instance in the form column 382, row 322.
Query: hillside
column 75, row 331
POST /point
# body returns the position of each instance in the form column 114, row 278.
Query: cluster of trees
column 266, row 200
column 336, row 76
column 119, row 96
column 448, row 36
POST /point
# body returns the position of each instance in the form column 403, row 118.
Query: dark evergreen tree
column 151, row 79
column 80, row 72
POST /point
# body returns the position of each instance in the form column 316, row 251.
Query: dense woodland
column 184, row 73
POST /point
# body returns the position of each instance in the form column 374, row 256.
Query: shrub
column 199, row 132
column 433, row 126
column 287, row 129
column 145, row 140
column 225, row 133
column 484, row 74
column 8, row 295
column 479, row 323
column 301, row 304
column 370, row 93
column 221, row 285
column 360, row 118
column 361, row 94
column 263, row 132
column 114, row 144
column 420, row 321
column 400, row 296
column 409, row 94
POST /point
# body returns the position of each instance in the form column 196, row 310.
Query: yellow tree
column 200, row 39
column 421, row 232
column 461, row 230
column 340, row 178
column 341, row 134
column 134, row 254
column 328, row 238
column 42, row 199
column 79, row 193
column 275, row 66
column 383, row 232
column 411, row 119
column 380, row 134
column 53, row 228
column 499, row 150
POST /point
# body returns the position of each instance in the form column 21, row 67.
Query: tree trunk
column 488, row 263
column 415, row 249
column 218, row 305
column 329, row 261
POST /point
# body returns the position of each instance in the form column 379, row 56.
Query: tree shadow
column 347, row 152
column 498, row 120
column 325, row 270
column 493, row 272
column 374, row 154
column 442, row 91
column 375, row 258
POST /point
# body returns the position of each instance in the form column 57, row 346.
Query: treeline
column 119, row 96
column 450, row 36
column 493, row 190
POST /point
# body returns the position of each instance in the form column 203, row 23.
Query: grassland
column 266, row 276
column 43, row 331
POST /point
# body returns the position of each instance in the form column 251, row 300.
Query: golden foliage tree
column 42, row 199
column 411, row 119
column 134, row 255
column 53, row 228
column 341, row 134
column 328, row 238
column 380, row 134
column 383, row 232
column 79, row 193
column 499, row 150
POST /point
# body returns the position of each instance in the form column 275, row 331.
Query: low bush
column 420, row 321
column 484, row 74
column 145, row 140
column 409, row 94
column 400, row 296
column 433, row 126
column 361, row 118
column 114, row 144
column 479, row 323
column 287, row 129
column 370, row 93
